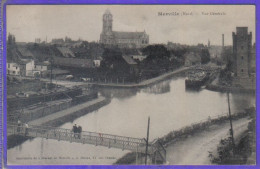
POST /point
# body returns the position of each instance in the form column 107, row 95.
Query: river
column 169, row 105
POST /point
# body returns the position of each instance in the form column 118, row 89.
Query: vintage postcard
column 130, row 84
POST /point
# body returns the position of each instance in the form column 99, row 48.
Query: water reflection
column 168, row 103
column 159, row 88
column 118, row 93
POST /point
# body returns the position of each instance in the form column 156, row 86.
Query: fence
column 38, row 110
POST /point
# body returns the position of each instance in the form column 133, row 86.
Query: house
column 133, row 67
column 97, row 61
column 66, row 52
column 13, row 68
column 41, row 66
column 26, row 67
column 24, row 53
column 139, row 57
column 192, row 58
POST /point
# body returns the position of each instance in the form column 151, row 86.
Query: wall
column 29, row 68
column 13, row 69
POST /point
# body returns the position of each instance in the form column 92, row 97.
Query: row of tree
column 159, row 60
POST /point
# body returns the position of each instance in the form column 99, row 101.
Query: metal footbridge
column 155, row 150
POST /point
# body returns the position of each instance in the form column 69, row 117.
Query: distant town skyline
column 184, row 24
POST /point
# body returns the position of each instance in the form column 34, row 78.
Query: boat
column 196, row 79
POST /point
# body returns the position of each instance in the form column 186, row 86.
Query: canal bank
column 219, row 88
column 174, row 139
column 144, row 83
column 214, row 85
column 61, row 117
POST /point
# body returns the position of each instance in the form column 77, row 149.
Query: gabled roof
column 129, row 60
column 25, row 52
column 66, row 52
column 128, row 35
column 24, row 61
column 42, row 63
column 14, row 64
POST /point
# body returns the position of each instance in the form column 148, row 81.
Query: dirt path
column 194, row 150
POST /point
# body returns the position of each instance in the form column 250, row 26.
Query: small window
column 15, row 67
column 242, row 70
column 8, row 65
column 242, row 57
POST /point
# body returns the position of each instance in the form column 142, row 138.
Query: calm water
column 168, row 104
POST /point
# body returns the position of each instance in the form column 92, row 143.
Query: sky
column 28, row 22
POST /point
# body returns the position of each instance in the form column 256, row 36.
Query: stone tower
column 242, row 44
column 107, row 34
column 107, row 22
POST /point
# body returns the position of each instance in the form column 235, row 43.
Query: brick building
column 121, row 39
column 242, row 52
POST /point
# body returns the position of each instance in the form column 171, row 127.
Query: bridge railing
column 129, row 143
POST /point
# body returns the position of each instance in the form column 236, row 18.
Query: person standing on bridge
column 74, row 130
column 18, row 126
column 26, row 128
column 79, row 131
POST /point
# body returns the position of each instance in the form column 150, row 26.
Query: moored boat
column 196, row 79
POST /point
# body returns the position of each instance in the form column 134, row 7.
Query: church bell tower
column 107, row 22
column 106, row 36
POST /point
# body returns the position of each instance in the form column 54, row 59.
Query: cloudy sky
column 28, row 22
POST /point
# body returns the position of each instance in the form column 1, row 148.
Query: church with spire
column 121, row 39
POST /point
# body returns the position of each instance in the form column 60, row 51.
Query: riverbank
column 219, row 88
column 194, row 149
column 61, row 117
column 143, row 83
column 189, row 132
column 214, row 86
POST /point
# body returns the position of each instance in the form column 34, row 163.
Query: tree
column 111, row 57
column 226, row 54
column 205, row 56
column 157, row 58
column 155, row 52
column 113, row 65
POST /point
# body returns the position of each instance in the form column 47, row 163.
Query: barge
column 196, row 79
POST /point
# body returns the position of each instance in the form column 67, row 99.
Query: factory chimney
column 223, row 41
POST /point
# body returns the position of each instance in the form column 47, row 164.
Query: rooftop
column 25, row 52
column 129, row 60
column 66, row 52
column 128, row 35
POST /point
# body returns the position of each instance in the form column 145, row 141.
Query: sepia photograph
column 131, row 84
